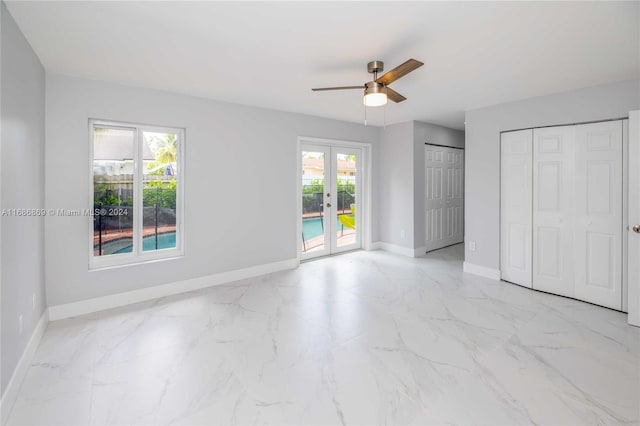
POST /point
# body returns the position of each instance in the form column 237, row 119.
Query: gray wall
column 434, row 134
column 22, row 159
column 402, row 179
column 240, row 183
column 396, row 184
column 482, row 150
column 439, row 135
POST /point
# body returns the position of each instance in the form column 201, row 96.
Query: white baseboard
column 483, row 271
column 11, row 391
column 127, row 298
column 393, row 248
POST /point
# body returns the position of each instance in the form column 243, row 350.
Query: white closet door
column 597, row 225
column 553, row 193
column 434, row 195
column 454, row 197
column 516, row 206
column 444, row 196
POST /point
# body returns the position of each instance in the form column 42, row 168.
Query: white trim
column 633, row 245
column 127, row 298
column 625, row 214
column 480, row 270
column 331, row 142
column 367, row 185
column 19, row 373
column 298, row 200
column 393, row 248
column 420, row 251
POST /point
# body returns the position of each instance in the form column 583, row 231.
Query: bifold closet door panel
column 598, row 214
column 435, row 175
column 553, row 194
column 516, row 182
column 454, row 197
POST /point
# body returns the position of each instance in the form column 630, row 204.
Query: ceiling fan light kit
column 375, row 94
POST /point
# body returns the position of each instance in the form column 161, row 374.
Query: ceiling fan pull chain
column 385, row 116
column 365, row 113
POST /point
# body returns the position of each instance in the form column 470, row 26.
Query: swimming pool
column 165, row 240
column 311, row 228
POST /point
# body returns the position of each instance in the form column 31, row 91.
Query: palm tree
column 164, row 147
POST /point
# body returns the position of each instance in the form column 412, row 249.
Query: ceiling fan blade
column 320, row 89
column 399, row 71
column 395, row 96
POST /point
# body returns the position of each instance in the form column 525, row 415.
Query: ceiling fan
column 377, row 91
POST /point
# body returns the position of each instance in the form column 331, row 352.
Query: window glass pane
column 113, row 153
column 346, row 199
column 313, row 219
column 159, row 190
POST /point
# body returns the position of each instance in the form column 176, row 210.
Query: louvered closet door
column 598, row 214
column 553, row 194
column 516, row 206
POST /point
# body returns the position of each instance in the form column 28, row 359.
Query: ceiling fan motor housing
column 374, row 87
column 375, row 66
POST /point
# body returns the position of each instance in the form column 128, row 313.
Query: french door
column 331, row 213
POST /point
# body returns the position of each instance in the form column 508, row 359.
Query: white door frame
column 366, row 177
column 633, row 242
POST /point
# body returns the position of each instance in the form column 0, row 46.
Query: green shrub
column 155, row 192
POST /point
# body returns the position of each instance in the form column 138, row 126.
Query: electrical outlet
column 402, row 233
column 20, row 324
column 33, row 302
column 472, row 246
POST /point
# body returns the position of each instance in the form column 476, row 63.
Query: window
column 136, row 193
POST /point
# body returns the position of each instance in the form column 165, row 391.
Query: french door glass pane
column 160, row 171
column 113, row 154
column 313, row 188
column 346, row 199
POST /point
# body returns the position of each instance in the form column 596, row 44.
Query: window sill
column 104, row 263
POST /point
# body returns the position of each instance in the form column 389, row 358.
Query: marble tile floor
column 362, row 338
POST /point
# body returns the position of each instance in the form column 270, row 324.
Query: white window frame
column 137, row 255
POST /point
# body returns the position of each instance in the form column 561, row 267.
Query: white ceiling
column 271, row 54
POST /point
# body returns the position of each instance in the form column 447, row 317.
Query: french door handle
column 636, row 229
